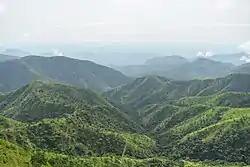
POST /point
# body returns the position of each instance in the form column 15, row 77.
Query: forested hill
column 82, row 73
column 63, row 119
column 178, row 124
column 199, row 119
column 154, row 89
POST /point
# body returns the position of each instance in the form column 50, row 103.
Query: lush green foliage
column 83, row 122
column 155, row 90
column 53, row 124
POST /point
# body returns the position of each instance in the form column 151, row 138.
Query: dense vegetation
column 151, row 122
column 81, row 73
column 154, row 89
column 199, row 119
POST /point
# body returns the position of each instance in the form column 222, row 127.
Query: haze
column 79, row 21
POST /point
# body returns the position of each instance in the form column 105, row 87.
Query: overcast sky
column 77, row 21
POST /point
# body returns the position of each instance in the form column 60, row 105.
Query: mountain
column 177, row 123
column 64, row 119
column 243, row 69
column 154, row 89
column 167, row 61
column 154, row 66
column 7, row 57
column 16, row 52
column 199, row 119
column 201, row 68
column 83, row 73
column 235, row 58
column 179, row 68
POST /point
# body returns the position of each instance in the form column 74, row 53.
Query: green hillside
column 41, row 99
column 198, row 119
column 154, row 89
column 81, row 73
column 16, row 156
column 64, row 119
column 152, row 121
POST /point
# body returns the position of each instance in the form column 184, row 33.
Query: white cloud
column 200, row 54
column 245, row 58
column 245, row 47
column 209, row 54
column 56, row 52
column 206, row 54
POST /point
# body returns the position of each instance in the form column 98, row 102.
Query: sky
column 79, row 21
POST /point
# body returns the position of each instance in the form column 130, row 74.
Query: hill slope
column 197, row 120
column 64, row 119
column 41, row 99
column 76, row 72
column 153, row 89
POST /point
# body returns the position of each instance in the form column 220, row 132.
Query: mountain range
column 179, row 68
column 200, row 121
column 198, row 118
column 58, row 111
column 4, row 57
column 155, row 89
column 81, row 73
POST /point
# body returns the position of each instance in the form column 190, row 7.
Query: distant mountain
column 154, row 89
column 81, row 73
column 16, row 52
column 154, row 66
column 167, row 61
column 4, row 57
column 200, row 68
column 244, row 68
column 179, row 68
column 235, row 58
